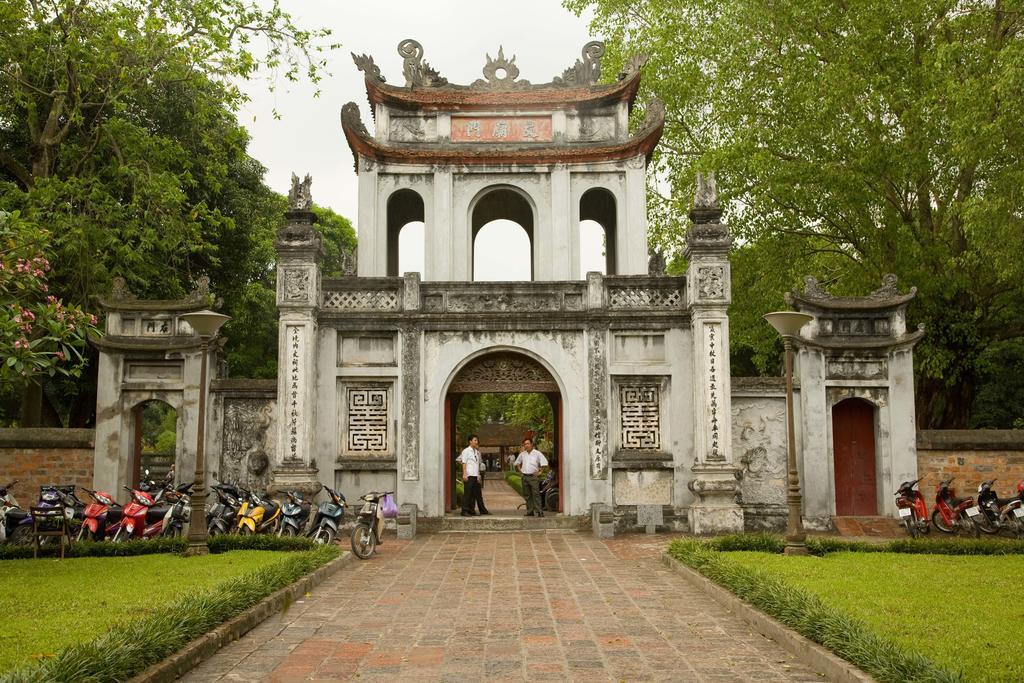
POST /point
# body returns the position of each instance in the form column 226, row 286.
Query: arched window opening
column 597, row 205
column 156, row 440
column 405, row 222
column 502, row 225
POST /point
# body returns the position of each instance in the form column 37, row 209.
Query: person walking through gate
column 529, row 462
column 471, row 474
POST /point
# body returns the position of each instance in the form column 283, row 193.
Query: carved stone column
column 714, row 482
column 299, row 253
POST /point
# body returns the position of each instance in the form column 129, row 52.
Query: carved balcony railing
column 621, row 294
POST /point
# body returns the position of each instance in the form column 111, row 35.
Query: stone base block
column 299, row 477
column 602, row 520
column 715, row 519
column 406, row 521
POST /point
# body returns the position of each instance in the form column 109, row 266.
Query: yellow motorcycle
column 259, row 515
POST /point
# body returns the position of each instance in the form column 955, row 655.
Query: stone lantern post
column 708, row 292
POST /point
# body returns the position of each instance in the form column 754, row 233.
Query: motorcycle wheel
column 551, row 501
column 971, row 527
column 1018, row 528
column 83, row 534
column 22, row 535
column 323, row 536
column 172, row 531
column 244, row 531
column 986, row 525
column 363, row 541
column 911, row 527
column 288, row 530
column 940, row 523
column 121, row 536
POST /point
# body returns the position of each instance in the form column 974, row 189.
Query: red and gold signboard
column 498, row 129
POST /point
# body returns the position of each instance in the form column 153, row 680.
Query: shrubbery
column 97, row 549
column 773, row 543
column 223, row 543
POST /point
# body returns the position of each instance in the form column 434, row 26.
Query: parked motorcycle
column 549, row 492
column 1011, row 516
column 180, row 512
column 1001, row 513
column 261, row 516
column 294, row 515
column 912, row 509
column 141, row 518
column 328, row 517
column 104, row 513
column 222, row 516
column 368, row 531
column 50, row 495
column 11, row 515
column 952, row 513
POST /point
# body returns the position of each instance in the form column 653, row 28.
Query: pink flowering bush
column 38, row 332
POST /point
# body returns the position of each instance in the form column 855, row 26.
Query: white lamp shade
column 205, row 323
column 788, row 323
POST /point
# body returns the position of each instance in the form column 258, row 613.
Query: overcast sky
column 544, row 37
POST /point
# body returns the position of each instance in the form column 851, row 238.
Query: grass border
column 97, row 549
column 820, row 546
column 114, row 657
column 807, row 614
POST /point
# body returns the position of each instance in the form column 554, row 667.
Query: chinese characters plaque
column 501, row 129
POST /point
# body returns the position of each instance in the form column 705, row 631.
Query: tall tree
column 851, row 140
column 118, row 134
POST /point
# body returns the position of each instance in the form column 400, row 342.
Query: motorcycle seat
column 17, row 513
column 957, row 502
column 1005, row 501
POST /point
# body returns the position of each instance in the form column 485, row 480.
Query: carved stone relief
column 711, row 282
column 366, row 429
column 246, row 441
column 857, row 368
column 504, row 372
column 410, row 404
column 471, row 303
column 598, row 371
column 640, row 416
column 412, row 129
column 296, row 285
column 759, row 439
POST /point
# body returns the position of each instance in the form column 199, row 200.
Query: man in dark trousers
column 529, row 462
column 471, row 474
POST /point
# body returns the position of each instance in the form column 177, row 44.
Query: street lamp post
column 788, row 324
column 205, row 324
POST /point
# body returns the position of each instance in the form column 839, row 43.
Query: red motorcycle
column 952, row 513
column 140, row 519
column 99, row 516
column 912, row 509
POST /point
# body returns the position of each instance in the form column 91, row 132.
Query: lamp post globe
column 788, row 325
column 205, row 324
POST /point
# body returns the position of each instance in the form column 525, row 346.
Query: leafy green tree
column 118, row 133
column 851, row 140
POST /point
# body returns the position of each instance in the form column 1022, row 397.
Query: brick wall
column 971, row 456
column 45, row 456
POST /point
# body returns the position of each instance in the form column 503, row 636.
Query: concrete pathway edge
column 811, row 654
column 205, row 646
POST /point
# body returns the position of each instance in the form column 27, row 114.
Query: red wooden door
column 853, row 443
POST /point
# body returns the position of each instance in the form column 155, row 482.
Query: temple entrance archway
column 501, row 372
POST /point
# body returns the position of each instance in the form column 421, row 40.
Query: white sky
column 544, row 37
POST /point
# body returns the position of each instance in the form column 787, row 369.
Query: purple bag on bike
column 388, row 508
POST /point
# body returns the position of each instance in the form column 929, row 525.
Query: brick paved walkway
column 515, row 607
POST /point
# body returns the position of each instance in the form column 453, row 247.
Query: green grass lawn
column 49, row 604
column 962, row 612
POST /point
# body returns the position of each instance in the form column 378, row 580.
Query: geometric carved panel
column 367, row 419
column 640, row 417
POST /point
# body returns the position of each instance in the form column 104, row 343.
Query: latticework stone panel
column 367, row 420
column 640, row 417
column 361, row 300
column 644, row 297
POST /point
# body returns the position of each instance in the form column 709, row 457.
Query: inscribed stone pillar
column 299, row 253
column 708, row 295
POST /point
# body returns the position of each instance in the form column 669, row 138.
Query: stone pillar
column 708, row 294
column 372, row 256
column 299, row 253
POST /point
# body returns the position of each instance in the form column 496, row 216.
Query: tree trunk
column 943, row 407
column 31, row 405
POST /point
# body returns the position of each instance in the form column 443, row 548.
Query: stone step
column 513, row 523
column 878, row 526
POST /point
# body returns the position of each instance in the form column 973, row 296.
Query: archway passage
column 853, row 446
column 156, row 440
column 405, row 215
column 597, row 209
column 501, row 219
column 503, row 397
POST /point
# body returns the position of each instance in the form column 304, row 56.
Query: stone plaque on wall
column 246, row 441
column 759, row 444
column 497, row 129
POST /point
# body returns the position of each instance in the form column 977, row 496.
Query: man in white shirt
column 529, row 463
column 471, row 473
